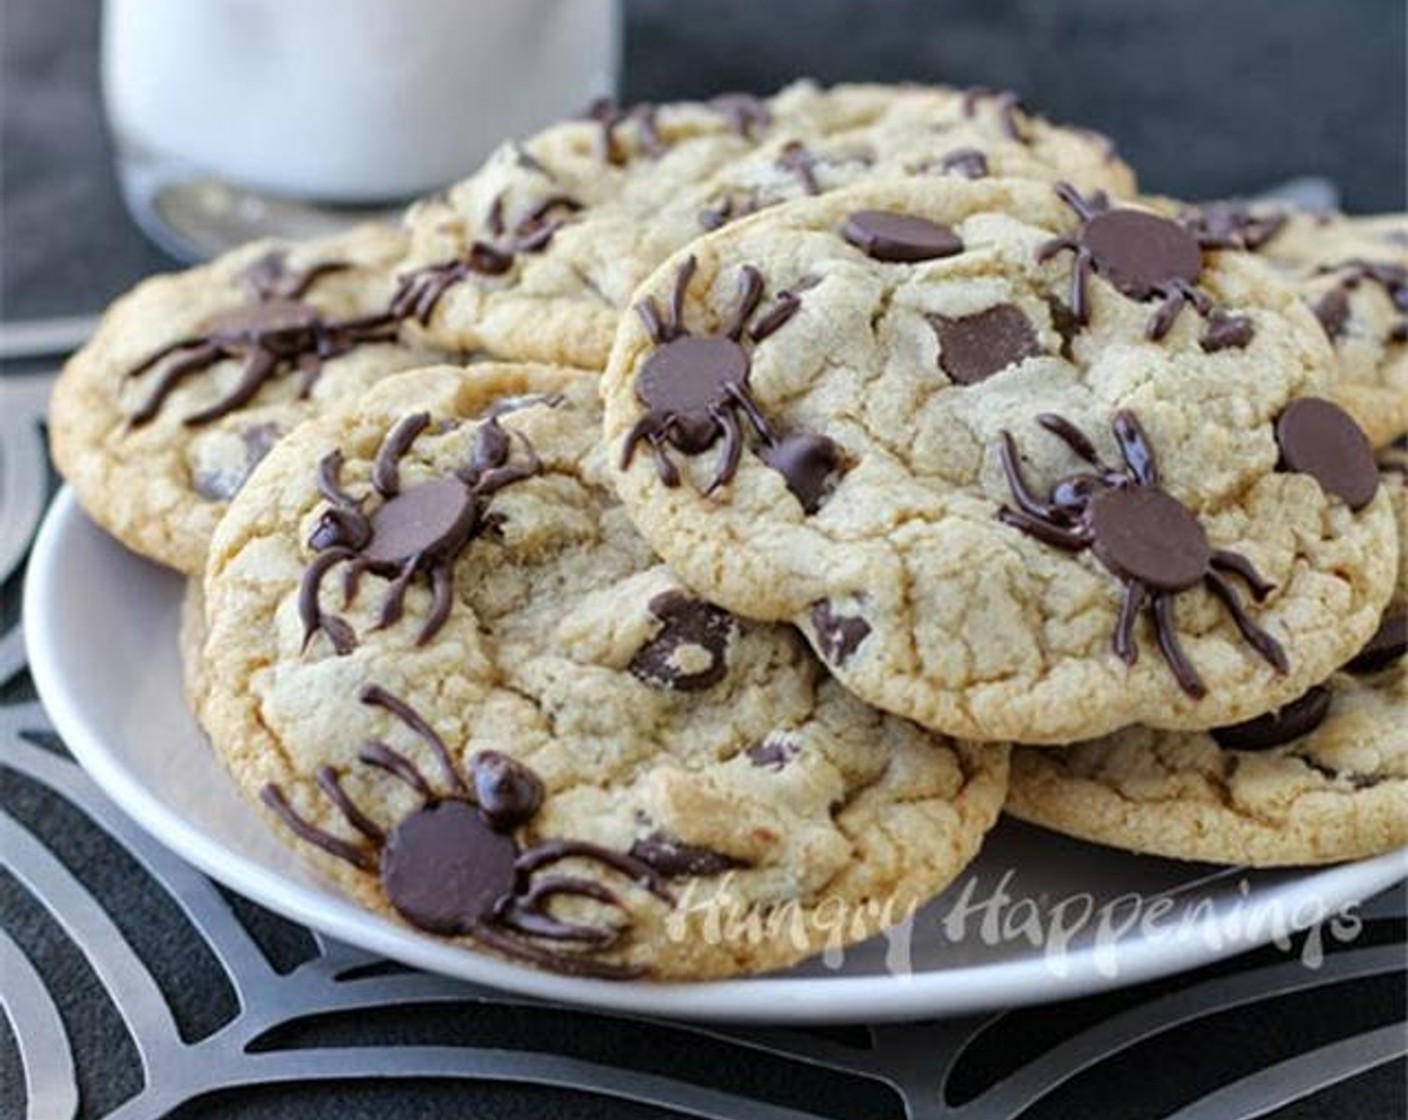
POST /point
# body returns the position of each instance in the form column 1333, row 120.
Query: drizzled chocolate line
column 417, row 532
column 454, row 866
column 694, row 388
column 272, row 337
column 1144, row 257
column 1143, row 536
column 419, row 292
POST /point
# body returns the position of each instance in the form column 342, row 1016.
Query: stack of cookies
column 668, row 552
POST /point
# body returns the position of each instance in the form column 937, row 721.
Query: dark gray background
column 1204, row 97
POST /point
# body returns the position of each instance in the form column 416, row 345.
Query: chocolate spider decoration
column 1007, row 104
column 419, row 292
column 1332, row 309
column 418, row 531
column 1144, row 257
column 747, row 116
column 1233, row 225
column 694, row 387
column 1145, row 537
column 275, row 333
column 454, row 865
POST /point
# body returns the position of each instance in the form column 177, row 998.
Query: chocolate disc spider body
column 418, row 531
column 695, row 387
column 1143, row 535
column 1144, row 257
column 453, row 865
column 419, row 292
column 276, row 333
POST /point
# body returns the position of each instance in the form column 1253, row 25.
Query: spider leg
column 741, row 397
column 202, row 357
column 1269, row 648
column 733, row 447
column 1172, row 649
column 750, row 292
column 1072, row 540
column 552, row 851
column 675, row 324
column 442, row 586
column 497, row 478
column 274, row 798
column 385, row 475
column 378, row 697
column 299, row 288
column 1028, row 502
column 664, row 466
column 330, row 481
column 1135, row 596
column 1048, row 249
column 310, row 368
column 352, row 579
column 1135, row 447
column 394, row 602
column 166, row 351
column 258, row 368
column 528, row 914
column 649, row 314
column 309, row 611
column 1163, row 319
column 1080, row 286
column 388, row 759
column 331, row 784
column 648, row 428
column 1227, row 561
column 1077, row 202
column 570, row 965
column 1073, row 438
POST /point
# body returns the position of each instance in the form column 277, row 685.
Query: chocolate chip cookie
column 535, row 255
column 192, row 377
column 456, row 676
column 1023, row 464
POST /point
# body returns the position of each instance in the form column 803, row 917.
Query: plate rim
column 965, row 990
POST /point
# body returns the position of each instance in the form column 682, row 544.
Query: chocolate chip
column 774, row 752
column 967, row 162
column 806, row 461
column 223, row 483
column 691, row 628
column 433, row 518
column 1322, row 440
column 444, row 868
column 974, row 347
column 837, row 636
column 1141, row 254
column 1285, row 725
column 1388, row 644
column 886, row 236
column 1144, row 534
column 1227, row 332
column 675, row 859
column 507, row 791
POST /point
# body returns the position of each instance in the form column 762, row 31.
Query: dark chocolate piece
column 1322, row 440
column 674, row 859
column 974, row 347
column 1275, row 729
column 899, row 238
column 837, row 636
column 689, row 624
column 807, row 462
column 1387, row 644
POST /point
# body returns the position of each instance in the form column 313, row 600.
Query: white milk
column 350, row 101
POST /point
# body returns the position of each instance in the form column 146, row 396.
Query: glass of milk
column 233, row 119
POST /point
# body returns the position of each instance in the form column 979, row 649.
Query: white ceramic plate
column 101, row 628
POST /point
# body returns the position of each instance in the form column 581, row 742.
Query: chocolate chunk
column 1227, row 332
column 887, row 236
column 1144, row 534
column 433, row 519
column 445, row 869
column 1388, row 644
column 1141, row 254
column 967, row 162
column 507, row 791
column 774, row 752
column 837, row 636
column 974, row 347
column 222, row 484
column 1285, row 725
column 806, row 461
column 675, row 859
column 1322, row 440
column 1332, row 309
column 692, row 628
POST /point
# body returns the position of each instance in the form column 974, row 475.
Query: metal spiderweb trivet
column 183, row 995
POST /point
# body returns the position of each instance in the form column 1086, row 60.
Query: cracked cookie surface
column 145, row 463
column 535, row 255
column 807, row 418
column 658, row 729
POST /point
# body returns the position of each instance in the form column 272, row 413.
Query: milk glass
column 233, row 119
